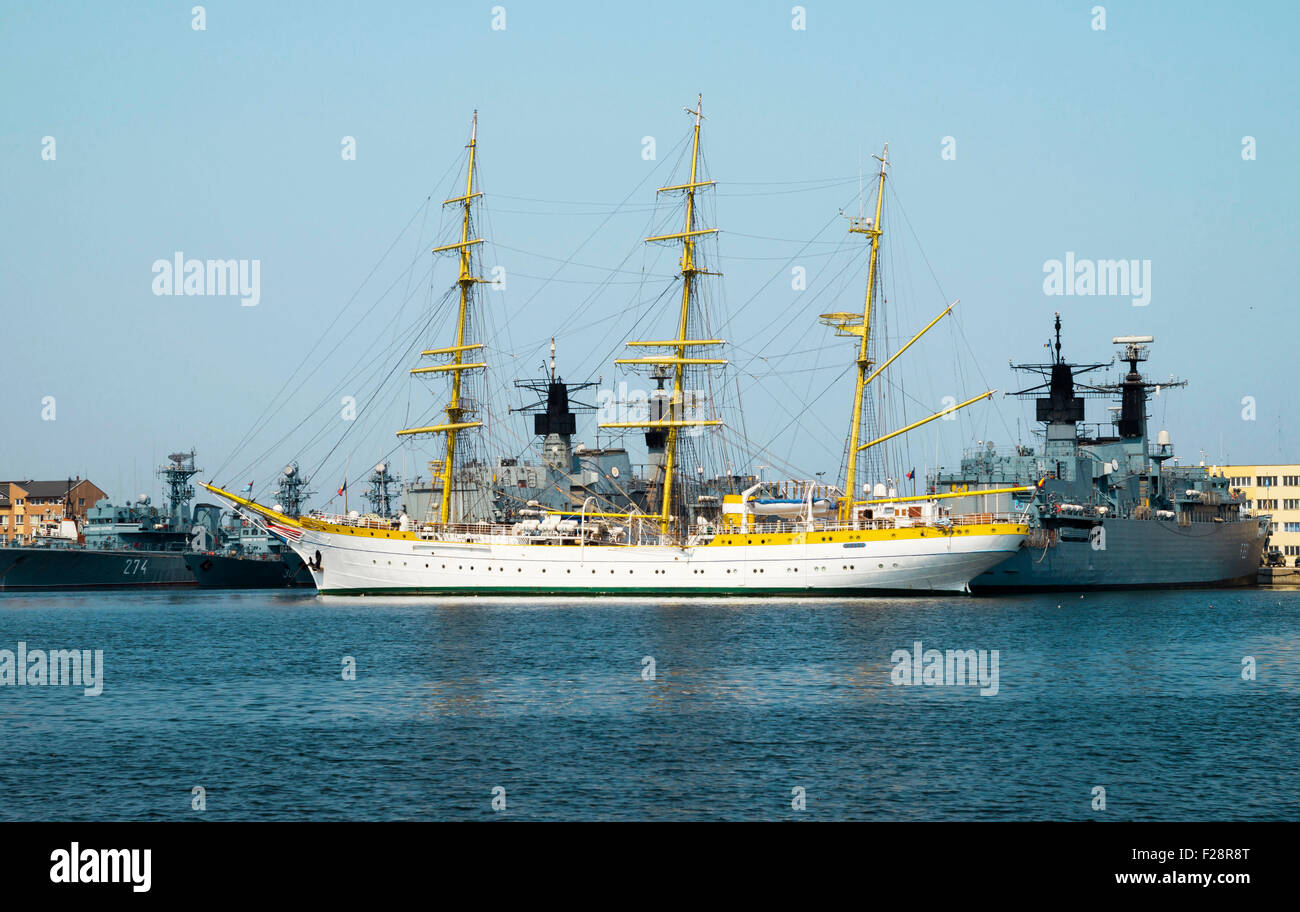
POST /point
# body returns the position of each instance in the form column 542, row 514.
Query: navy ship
column 119, row 547
column 239, row 553
column 1111, row 511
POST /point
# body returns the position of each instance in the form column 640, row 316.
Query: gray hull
column 224, row 571
column 86, row 568
column 1134, row 554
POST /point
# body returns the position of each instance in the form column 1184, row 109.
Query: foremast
column 674, row 419
column 460, row 410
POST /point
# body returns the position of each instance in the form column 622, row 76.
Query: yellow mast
column 850, row 324
column 871, row 228
column 458, row 409
column 688, row 282
column 674, row 420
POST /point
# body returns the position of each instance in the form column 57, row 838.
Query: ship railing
column 361, row 522
column 882, row 523
column 644, row 530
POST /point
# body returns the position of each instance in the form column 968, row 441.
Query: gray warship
column 1111, row 511
column 127, row 546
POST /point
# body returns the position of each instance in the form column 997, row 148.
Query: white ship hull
column 347, row 563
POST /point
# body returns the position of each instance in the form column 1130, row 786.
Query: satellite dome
column 143, row 499
column 380, row 467
column 277, row 508
column 288, row 471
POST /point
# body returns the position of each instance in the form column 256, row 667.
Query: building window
column 1265, row 481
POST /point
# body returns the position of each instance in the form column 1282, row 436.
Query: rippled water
column 243, row 694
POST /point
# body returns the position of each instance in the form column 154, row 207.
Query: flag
column 343, row 487
column 911, row 476
column 250, row 487
column 283, row 531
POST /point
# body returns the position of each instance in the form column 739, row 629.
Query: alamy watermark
column 109, row 866
column 58, row 667
column 1122, row 278
column 626, row 405
column 951, row 668
column 179, row 276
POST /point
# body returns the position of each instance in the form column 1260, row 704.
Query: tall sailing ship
column 681, row 534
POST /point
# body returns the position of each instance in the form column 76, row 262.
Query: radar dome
column 288, row 470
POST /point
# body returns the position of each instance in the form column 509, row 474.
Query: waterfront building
column 32, row 509
column 1273, row 489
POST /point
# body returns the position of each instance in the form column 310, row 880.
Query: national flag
column 343, row 487
column 283, row 531
column 911, row 476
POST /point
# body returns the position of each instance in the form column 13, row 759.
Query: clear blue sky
column 1122, row 143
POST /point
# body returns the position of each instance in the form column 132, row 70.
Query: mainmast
column 674, row 420
column 460, row 410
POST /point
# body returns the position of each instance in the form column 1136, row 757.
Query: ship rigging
column 685, row 532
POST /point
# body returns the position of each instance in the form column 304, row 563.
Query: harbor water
column 244, row 706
